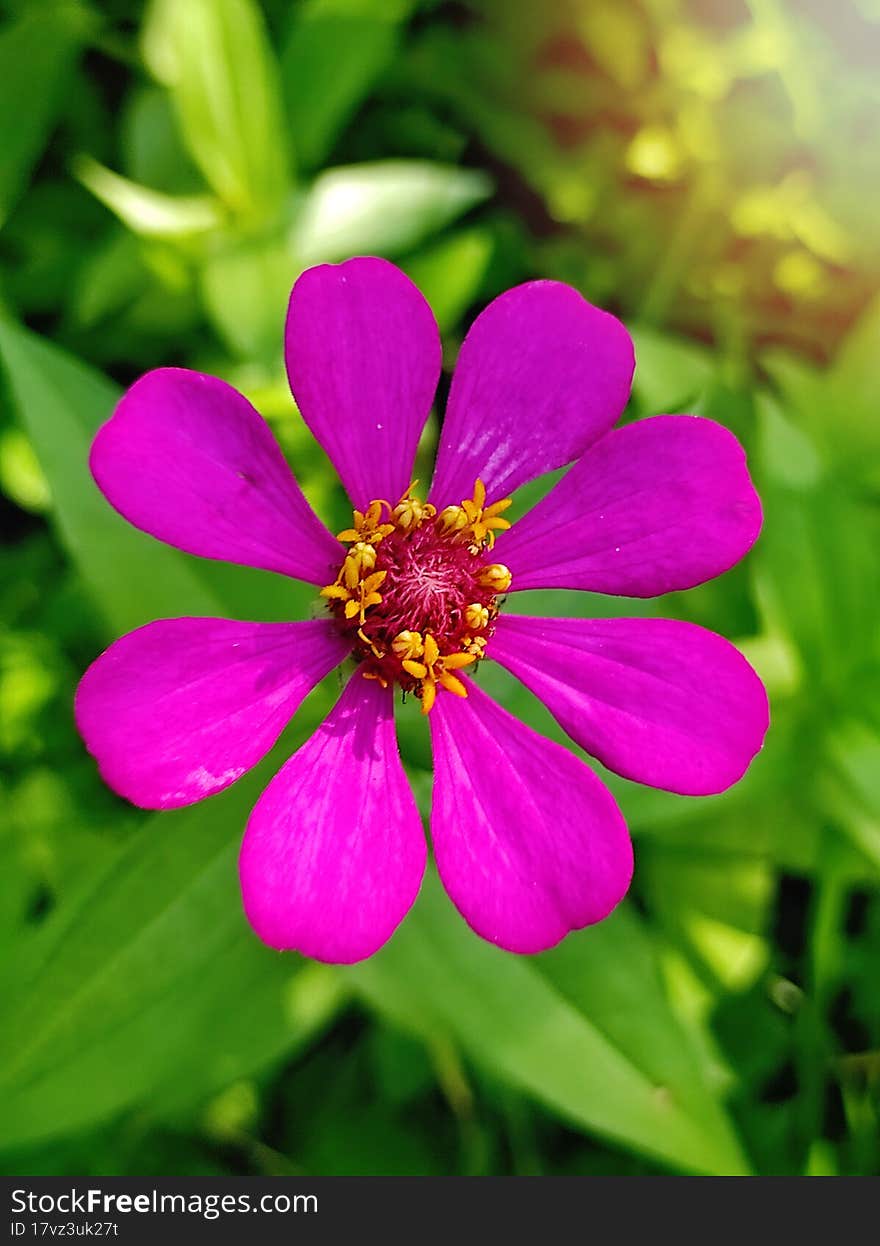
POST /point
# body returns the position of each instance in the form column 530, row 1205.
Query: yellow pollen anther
column 371, row 644
column 476, row 616
column 408, row 645
column 429, row 696
column 359, row 560
column 410, row 512
column 496, row 577
column 484, row 520
column 367, row 526
column 436, row 670
column 475, row 645
column 455, row 661
column 358, row 598
column 431, row 649
column 452, row 519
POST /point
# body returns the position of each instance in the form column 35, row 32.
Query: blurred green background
column 707, row 169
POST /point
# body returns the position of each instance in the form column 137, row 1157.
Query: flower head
column 413, row 605
column 528, row 841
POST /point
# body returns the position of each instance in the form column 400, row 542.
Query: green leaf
column 789, row 456
column 124, row 995
column 450, row 272
column 149, row 213
column 715, row 904
column 333, row 54
column 578, row 1037
column 384, row 208
column 246, row 281
column 151, row 148
column 612, row 975
column 816, row 554
column 245, row 286
column 20, row 476
column 110, row 279
column 670, row 372
column 215, row 58
column 148, row 987
column 61, row 404
column 853, row 385
column 852, row 788
column 838, row 406
column 36, row 53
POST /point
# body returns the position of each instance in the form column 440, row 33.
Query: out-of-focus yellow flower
column 799, row 273
column 655, row 154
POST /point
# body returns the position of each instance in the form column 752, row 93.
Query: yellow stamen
column 336, row 592
column 475, row 645
column 359, row 597
column 476, row 616
column 436, row 669
column 367, row 526
column 429, row 695
column 451, row 684
column 431, row 650
column 410, row 512
column 408, row 645
column 495, row 577
column 371, row 644
column 367, row 592
column 359, row 560
column 452, row 519
column 484, row 520
column 455, row 661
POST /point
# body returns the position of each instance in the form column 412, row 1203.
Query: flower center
column 417, row 592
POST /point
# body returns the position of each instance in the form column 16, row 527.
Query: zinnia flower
column 528, row 841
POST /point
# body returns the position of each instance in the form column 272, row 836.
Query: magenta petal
column 529, row 842
column 665, row 703
column 181, row 708
column 541, row 374
column 334, row 851
column 656, row 506
column 363, row 358
column 186, row 458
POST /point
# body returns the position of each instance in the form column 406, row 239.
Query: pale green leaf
column 149, row 212
column 215, row 58
column 384, row 208
column 20, row 476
